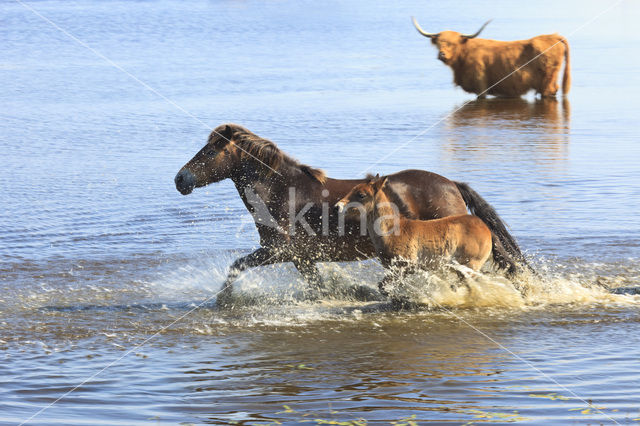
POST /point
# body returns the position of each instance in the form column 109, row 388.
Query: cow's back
column 509, row 68
column 548, row 50
column 490, row 64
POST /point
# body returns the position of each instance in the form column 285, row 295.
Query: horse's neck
column 275, row 191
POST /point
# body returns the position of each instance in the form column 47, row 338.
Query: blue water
column 91, row 219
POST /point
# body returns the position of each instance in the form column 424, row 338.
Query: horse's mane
column 268, row 152
column 396, row 199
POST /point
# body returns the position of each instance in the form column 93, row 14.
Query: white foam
column 277, row 294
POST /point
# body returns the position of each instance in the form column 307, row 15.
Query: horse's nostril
column 179, row 178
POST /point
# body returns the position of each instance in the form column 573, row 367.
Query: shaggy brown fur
column 492, row 67
column 294, row 217
column 425, row 244
column 262, row 149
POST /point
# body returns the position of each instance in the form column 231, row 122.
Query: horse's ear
column 224, row 131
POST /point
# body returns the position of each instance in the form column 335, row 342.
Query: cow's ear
column 463, row 40
column 434, row 40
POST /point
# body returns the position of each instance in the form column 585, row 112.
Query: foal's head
column 214, row 162
column 362, row 196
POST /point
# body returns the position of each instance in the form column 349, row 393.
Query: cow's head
column 449, row 43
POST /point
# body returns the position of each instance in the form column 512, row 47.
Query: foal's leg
column 402, row 301
column 462, row 277
column 395, row 269
column 388, row 278
column 401, row 270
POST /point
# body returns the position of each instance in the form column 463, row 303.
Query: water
column 99, row 251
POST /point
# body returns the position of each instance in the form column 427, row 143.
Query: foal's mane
column 396, row 199
column 268, row 153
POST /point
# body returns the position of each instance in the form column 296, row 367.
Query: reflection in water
column 384, row 365
column 550, row 113
column 538, row 129
column 99, row 253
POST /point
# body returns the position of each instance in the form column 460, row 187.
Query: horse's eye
column 210, row 152
column 360, row 195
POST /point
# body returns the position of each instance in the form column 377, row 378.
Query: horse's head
column 216, row 161
column 362, row 196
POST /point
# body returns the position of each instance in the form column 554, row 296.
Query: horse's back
column 428, row 195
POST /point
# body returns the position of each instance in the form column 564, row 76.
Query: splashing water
column 527, row 291
column 354, row 286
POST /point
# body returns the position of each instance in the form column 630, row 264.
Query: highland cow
column 503, row 68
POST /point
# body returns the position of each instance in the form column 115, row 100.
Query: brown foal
column 426, row 244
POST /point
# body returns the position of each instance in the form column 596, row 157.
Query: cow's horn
column 477, row 32
column 421, row 31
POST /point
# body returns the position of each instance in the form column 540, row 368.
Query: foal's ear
column 371, row 178
column 379, row 183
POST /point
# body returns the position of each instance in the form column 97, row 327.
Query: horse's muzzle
column 185, row 182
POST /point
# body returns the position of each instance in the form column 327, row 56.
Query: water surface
column 98, row 251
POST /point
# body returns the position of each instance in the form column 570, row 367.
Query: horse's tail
column 479, row 207
column 566, row 78
column 501, row 258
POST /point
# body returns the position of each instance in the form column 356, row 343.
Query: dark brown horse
column 292, row 204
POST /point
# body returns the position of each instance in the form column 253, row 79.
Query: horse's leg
column 309, row 271
column 260, row 257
